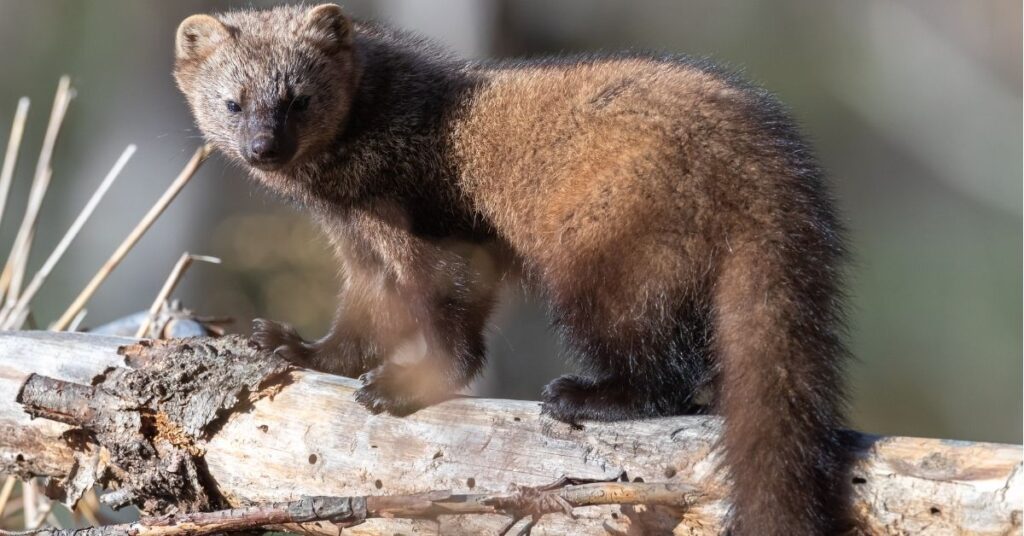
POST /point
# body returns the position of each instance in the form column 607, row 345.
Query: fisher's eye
column 300, row 103
column 233, row 107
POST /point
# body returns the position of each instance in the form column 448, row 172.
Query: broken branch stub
column 153, row 417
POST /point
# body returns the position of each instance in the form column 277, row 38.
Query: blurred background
column 914, row 107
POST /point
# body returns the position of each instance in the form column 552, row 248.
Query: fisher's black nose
column 268, row 149
column 264, row 149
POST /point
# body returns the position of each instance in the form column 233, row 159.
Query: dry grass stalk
column 30, row 502
column 77, row 321
column 40, row 183
column 147, row 221
column 89, row 508
column 44, row 512
column 5, row 493
column 11, row 313
column 11, row 156
column 15, row 311
column 14, row 270
column 173, row 279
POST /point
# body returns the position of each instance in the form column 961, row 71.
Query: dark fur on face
column 670, row 214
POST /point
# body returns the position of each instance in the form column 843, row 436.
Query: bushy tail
column 777, row 319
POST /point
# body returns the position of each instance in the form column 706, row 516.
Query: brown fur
column 668, row 212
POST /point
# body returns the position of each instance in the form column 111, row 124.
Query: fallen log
column 211, row 423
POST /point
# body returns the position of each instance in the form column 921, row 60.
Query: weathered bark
column 310, row 439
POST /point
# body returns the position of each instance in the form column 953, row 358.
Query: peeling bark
column 151, row 416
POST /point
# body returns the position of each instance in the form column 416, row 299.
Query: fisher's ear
column 328, row 28
column 198, row 35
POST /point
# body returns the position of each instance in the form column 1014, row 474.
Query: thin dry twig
column 173, row 279
column 14, row 316
column 89, row 508
column 14, row 271
column 30, row 502
column 5, row 493
column 77, row 321
column 348, row 511
column 11, row 313
column 147, row 221
column 11, row 156
column 44, row 510
column 18, row 257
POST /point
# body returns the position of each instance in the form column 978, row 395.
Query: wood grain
column 312, row 439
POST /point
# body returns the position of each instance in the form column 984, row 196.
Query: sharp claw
column 377, row 407
column 382, row 392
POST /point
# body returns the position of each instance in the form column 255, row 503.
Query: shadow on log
column 201, row 424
